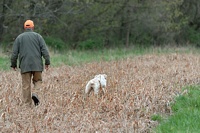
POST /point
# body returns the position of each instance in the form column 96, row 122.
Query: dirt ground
column 137, row 88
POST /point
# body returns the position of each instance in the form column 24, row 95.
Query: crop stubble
column 137, row 88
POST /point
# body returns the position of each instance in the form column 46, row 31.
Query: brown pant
column 26, row 85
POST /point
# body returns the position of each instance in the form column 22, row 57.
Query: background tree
column 88, row 24
column 190, row 32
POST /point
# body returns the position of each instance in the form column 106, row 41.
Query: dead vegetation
column 137, row 88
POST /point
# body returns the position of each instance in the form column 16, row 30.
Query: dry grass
column 137, row 89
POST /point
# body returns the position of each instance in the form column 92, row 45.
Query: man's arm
column 45, row 52
column 14, row 56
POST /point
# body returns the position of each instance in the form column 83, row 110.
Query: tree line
column 89, row 24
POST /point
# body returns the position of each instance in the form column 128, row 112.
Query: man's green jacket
column 30, row 47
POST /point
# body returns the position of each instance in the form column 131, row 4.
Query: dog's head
column 102, row 79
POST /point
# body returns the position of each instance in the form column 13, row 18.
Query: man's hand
column 14, row 68
column 47, row 67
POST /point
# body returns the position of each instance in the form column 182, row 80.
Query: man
column 30, row 47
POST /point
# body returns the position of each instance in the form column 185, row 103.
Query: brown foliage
column 137, row 88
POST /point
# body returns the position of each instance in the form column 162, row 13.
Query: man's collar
column 28, row 29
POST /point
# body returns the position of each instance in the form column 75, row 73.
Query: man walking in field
column 30, row 47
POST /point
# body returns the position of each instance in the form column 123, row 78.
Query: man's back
column 31, row 47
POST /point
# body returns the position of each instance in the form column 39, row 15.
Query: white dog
column 97, row 83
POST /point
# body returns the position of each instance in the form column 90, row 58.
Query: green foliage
column 144, row 40
column 55, row 43
column 92, row 43
column 193, row 36
column 135, row 22
column 186, row 113
column 6, row 46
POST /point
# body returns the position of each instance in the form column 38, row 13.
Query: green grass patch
column 186, row 114
column 4, row 63
column 156, row 117
column 77, row 57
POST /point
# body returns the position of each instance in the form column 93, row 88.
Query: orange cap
column 28, row 24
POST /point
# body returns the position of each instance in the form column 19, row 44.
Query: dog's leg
column 88, row 88
column 104, row 90
column 96, row 91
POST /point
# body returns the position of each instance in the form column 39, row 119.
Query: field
column 138, row 88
